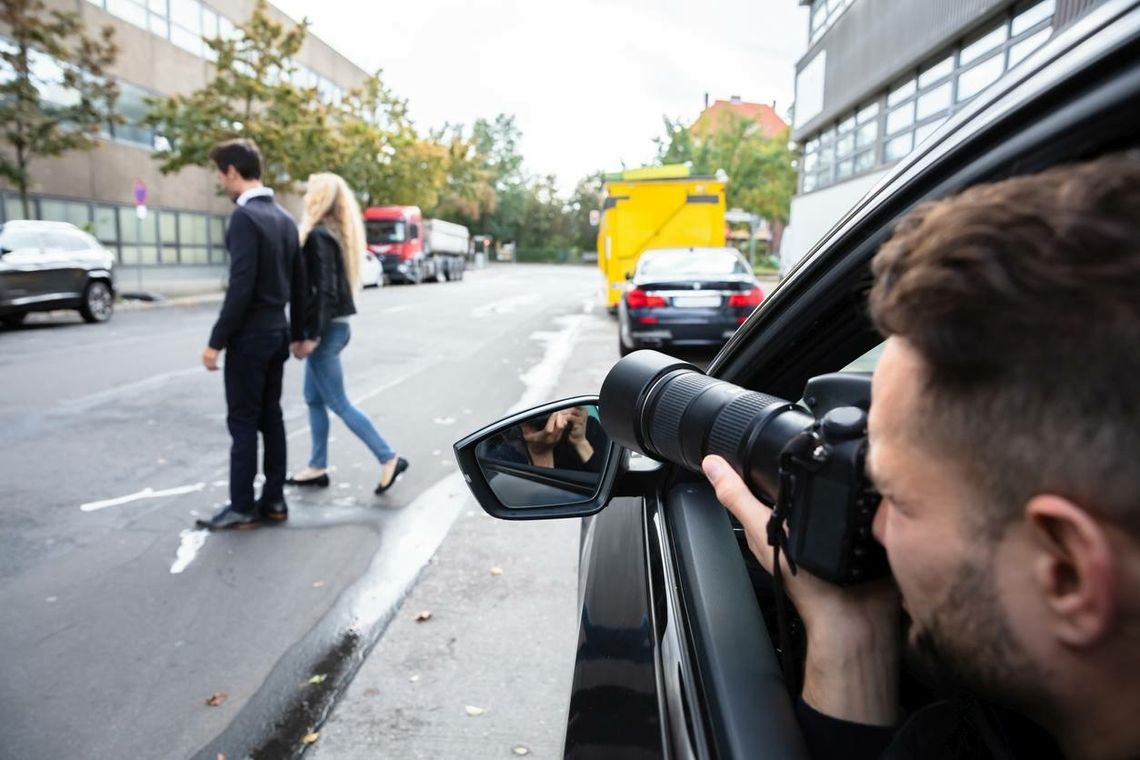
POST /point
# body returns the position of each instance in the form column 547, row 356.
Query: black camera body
column 808, row 463
column 825, row 497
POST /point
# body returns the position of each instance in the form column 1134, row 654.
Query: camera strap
column 794, row 458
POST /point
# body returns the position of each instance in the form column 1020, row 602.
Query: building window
column 919, row 103
column 824, row 13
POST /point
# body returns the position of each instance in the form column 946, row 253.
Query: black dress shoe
column 321, row 481
column 273, row 511
column 230, row 519
column 401, row 465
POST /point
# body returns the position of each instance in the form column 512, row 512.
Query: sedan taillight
column 748, row 300
column 636, row 298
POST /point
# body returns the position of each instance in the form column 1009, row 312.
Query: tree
column 380, row 155
column 761, row 170
column 55, row 96
column 251, row 95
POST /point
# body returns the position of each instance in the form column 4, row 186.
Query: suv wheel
column 98, row 303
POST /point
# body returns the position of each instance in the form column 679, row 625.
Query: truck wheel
column 441, row 271
column 98, row 303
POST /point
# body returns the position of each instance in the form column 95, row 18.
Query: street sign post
column 140, row 215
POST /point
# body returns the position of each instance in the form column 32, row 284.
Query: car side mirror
column 551, row 461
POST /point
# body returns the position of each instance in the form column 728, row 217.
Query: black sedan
column 676, row 631
column 686, row 297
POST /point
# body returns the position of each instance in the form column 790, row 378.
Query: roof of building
column 771, row 125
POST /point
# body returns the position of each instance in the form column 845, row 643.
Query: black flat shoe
column 401, row 465
column 273, row 511
column 231, row 519
column 321, row 481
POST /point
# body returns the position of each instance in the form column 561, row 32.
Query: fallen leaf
column 423, row 616
column 318, row 679
column 496, row 571
column 371, row 692
column 217, row 699
column 475, row 712
column 521, row 750
column 318, row 584
column 311, row 738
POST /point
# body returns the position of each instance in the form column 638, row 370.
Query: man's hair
column 1022, row 298
column 242, row 154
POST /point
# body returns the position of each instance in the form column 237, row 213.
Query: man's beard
column 968, row 647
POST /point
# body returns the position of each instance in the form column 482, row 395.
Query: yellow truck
column 655, row 207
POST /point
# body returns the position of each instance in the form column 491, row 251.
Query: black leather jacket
column 329, row 295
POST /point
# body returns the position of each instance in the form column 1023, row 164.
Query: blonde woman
column 332, row 239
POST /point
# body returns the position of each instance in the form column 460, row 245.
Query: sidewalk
column 489, row 674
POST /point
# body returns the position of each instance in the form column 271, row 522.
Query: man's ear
column 1075, row 570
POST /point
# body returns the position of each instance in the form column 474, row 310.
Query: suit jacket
column 266, row 273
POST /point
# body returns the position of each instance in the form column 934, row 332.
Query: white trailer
column 446, row 247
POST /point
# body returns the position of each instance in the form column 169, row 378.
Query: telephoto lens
column 809, row 463
column 669, row 410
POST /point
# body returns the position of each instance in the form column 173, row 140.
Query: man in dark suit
column 266, row 273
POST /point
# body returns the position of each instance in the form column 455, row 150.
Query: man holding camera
column 1005, row 440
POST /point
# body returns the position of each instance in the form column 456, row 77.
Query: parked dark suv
column 53, row 265
column 675, row 652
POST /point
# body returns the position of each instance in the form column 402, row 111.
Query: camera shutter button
column 845, row 422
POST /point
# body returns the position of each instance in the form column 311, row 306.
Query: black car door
column 22, row 268
column 68, row 260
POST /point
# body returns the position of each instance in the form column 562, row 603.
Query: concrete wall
column 815, row 213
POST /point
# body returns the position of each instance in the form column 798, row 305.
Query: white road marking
column 504, row 306
column 192, row 542
column 541, row 379
column 146, row 493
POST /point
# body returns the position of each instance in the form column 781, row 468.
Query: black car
column 53, row 265
column 675, row 650
column 686, row 297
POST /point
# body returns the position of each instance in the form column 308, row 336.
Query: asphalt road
column 119, row 620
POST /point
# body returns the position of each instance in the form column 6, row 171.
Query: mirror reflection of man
column 1005, row 440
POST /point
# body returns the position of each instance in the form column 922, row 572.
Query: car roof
column 41, row 224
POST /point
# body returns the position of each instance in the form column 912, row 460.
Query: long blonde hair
column 329, row 199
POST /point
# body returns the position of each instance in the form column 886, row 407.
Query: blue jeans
column 324, row 390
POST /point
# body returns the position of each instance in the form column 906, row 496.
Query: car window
column 66, row 241
column 868, row 361
column 15, row 240
column 692, row 262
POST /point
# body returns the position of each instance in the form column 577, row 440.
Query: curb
column 166, row 303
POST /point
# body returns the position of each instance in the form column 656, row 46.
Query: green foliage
column 379, row 153
column 251, row 96
column 761, row 170
column 55, row 96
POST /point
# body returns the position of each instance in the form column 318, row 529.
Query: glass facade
column 186, row 22
column 890, row 125
column 164, row 237
column 823, row 14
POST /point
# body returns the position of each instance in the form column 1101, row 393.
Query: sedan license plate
column 696, row 302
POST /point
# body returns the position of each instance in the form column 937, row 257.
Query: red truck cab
column 395, row 234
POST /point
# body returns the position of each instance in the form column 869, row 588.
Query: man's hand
column 853, row 633
column 210, row 358
column 302, row 348
column 577, row 417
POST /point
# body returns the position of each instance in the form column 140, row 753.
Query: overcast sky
column 588, row 81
